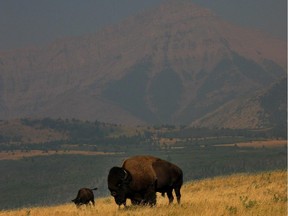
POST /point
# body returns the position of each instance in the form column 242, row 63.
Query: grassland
column 239, row 194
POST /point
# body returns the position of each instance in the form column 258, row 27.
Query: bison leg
column 93, row 202
column 178, row 194
column 170, row 196
column 150, row 198
column 124, row 204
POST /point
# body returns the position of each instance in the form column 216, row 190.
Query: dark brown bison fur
column 169, row 178
column 84, row 196
column 140, row 177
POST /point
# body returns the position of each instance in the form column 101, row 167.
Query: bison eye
column 113, row 193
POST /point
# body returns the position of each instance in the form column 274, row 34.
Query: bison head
column 118, row 184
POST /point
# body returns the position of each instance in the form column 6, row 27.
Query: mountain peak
column 172, row 10
column 184, row 7
column 172, row 64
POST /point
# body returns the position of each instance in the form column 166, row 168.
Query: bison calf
column 84, row 196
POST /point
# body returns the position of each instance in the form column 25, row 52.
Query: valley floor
column 240, row 194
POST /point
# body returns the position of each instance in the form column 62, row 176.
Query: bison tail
column 95, row 188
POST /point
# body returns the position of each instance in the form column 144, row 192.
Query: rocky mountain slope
column 177, row 63
column 264, row 109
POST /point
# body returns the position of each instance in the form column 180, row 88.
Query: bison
column 140, row 177
column 84, row 196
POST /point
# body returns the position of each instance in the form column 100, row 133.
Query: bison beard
column 84, row 196
column 140, row 177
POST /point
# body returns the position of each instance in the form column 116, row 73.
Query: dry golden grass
column 242, row 194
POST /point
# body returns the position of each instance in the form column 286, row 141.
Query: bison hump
column 141, row 171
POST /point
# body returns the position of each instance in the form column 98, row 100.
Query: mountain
column 264, row 109
column 177, row 64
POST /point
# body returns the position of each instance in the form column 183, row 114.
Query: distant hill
column 177, row 64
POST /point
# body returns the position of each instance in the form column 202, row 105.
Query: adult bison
column 140, row 177
column 84, row 196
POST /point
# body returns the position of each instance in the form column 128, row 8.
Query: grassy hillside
column 242, row 194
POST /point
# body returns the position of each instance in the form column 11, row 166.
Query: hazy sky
column 27, row 22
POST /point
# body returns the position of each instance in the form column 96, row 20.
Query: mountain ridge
column 199, row 60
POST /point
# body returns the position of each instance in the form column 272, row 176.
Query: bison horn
column 126, row 174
